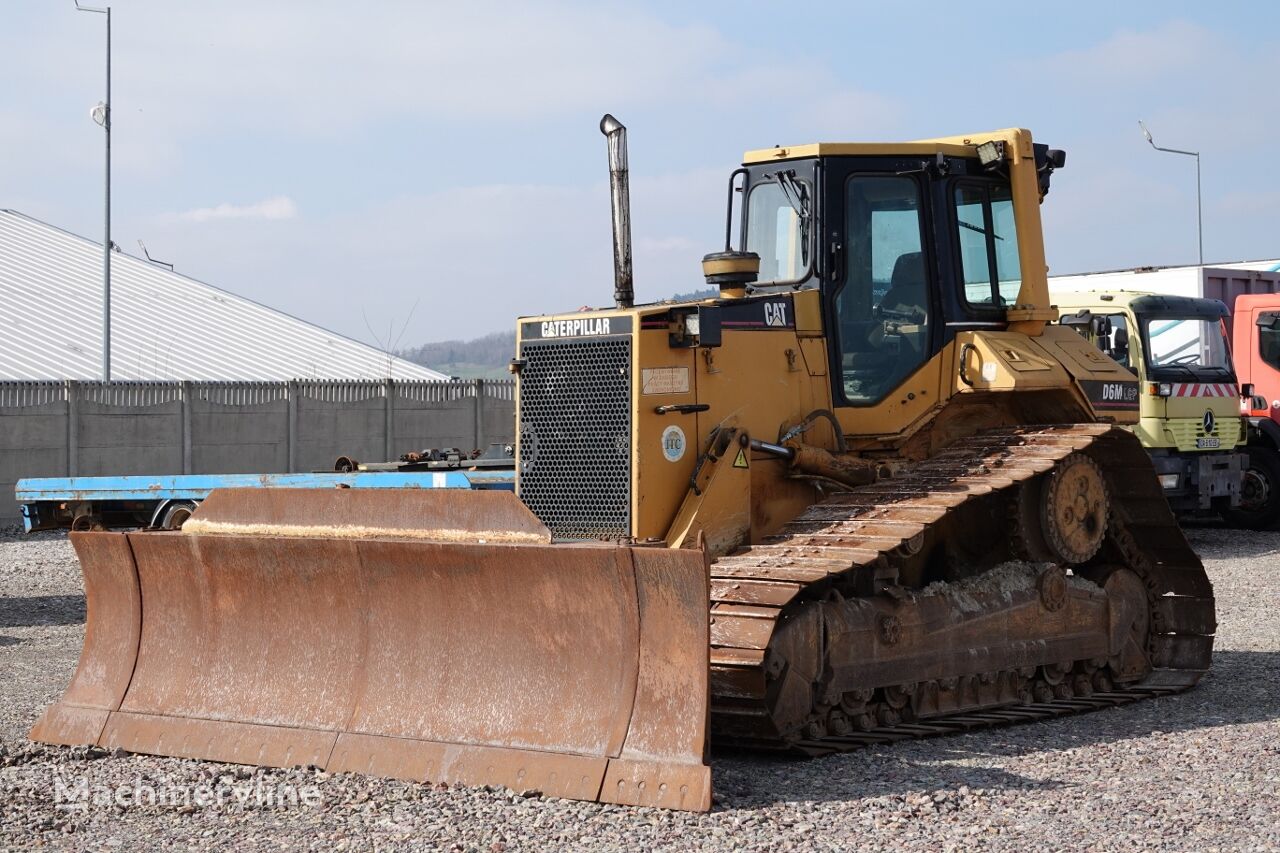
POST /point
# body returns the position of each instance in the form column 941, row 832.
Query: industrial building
column 164, row 326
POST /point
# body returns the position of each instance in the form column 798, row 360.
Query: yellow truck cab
column 1189, row 401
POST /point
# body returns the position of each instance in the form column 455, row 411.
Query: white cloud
column 1138, row 58
column 278, row 207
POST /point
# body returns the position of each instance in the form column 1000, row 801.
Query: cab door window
column 991, row 270
column 1269, row 338
column 1109, row 333
column 883, row 307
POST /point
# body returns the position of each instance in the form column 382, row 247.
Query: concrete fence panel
column 60, row 429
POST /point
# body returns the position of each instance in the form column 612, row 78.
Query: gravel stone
column 1195, row 772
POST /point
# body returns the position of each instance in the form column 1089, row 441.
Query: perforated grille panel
column 575, row 436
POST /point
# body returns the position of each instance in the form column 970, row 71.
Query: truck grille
column 575, row 436
column 1184, row 432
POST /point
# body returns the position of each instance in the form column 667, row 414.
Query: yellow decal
column 741, row 460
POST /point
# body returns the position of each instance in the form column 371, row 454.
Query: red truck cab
column 1255, row 345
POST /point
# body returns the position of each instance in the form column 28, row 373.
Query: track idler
column 433, row 636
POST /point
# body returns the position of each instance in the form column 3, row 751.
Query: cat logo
column 775, row 314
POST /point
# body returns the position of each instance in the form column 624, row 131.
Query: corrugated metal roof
column 163, row 325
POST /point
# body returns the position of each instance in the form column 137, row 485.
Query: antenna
column 147, row 255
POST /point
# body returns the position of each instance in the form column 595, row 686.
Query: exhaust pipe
column 624, row 294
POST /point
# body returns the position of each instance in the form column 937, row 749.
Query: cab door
column 881, row 294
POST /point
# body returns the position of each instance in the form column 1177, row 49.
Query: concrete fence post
column 73, row 428
column 186, row 426
column 479, row 415
column 389, row 415
column 291, row 429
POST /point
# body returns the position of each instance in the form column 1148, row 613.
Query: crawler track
column 842, row 546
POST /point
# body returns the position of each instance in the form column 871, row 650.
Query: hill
column 487, row 357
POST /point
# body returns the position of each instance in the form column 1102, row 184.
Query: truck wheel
column 1260, row 493
column 176, row 515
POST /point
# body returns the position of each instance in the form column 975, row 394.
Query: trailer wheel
column 1260, row 493
column 176, row 515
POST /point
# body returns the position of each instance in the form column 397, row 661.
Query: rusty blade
column 579, row 671
column 110, row 648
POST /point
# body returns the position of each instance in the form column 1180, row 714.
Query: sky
column 403, row 172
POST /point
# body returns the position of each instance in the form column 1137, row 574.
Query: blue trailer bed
column 166, row 500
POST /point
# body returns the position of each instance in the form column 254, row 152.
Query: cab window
column 777, row 230
column 1109, row 333
column 883, row 305
column 989, row 262
column 1269, row 339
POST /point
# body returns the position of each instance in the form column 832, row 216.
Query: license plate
column 1203, row 443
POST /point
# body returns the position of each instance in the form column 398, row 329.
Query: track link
column 843, row 543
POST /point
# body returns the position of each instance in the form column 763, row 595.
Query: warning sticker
column 741, row 460
column 664, row 380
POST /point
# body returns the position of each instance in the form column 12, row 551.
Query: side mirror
column 1120, row 345
column 1083, row 317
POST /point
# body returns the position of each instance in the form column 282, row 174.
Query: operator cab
column 907, row 249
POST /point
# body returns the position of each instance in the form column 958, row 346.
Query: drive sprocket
column 1074, row 509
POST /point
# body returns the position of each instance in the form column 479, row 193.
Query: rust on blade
column 112, row 623
column 663, row 761
column 577, row 671
column 441, row 515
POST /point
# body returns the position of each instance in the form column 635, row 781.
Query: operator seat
column 907, row 291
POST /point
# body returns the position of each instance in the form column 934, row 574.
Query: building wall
column 84, row 429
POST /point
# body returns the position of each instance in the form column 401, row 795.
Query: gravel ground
column 1200, row 771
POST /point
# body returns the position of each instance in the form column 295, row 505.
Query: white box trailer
column 1220, row 281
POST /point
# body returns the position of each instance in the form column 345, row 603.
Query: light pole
column 102, row 115
column 1195, row 154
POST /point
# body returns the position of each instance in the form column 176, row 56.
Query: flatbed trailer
column 166, row 501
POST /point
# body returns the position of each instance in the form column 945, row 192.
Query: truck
column 1250, row 294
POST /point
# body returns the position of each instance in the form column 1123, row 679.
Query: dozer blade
column 423, row 635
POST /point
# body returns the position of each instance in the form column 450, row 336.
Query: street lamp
column 1195, row 154
column 102, row 115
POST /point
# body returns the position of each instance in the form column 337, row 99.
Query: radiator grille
column 575, row 436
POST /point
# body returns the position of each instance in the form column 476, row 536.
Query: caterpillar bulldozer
column 864, row 490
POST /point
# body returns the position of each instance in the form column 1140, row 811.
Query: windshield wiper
column 973, row 227
column 1182, row 367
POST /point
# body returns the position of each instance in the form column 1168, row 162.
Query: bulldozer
column 865, row 489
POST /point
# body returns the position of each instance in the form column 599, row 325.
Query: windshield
column 778, row 215
column 1192, row 343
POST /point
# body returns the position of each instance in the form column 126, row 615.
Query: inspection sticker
column 673, row 443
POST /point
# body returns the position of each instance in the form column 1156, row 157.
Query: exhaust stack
column 624, row 294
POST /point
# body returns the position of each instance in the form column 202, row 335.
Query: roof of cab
column 951, row 146
column 1140, row 301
